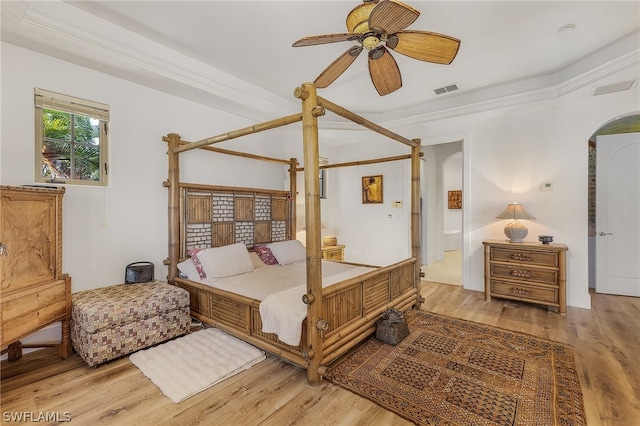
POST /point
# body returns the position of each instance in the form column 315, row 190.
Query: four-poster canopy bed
column 341, row 310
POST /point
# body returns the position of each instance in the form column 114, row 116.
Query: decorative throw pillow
column 226, row 261
column 266, row 255
column 196, row 260
column 188, row 269
column 289, row 251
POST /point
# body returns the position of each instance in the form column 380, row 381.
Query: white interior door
column 618, row 214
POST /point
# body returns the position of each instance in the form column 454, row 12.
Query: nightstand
column 335, row 253
column 528, row 272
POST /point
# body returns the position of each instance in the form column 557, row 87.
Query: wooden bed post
column 310, row 112
column 415, row 213
column 173, row 184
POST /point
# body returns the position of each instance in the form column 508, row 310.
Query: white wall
column 452, row 181
column 376, row 234
column 104, row 229
column 508, row 153
column 437, row 217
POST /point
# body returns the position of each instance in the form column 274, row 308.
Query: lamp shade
column 515, row 231
column 514, row 211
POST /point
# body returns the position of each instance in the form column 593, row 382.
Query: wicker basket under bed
column 392, row 328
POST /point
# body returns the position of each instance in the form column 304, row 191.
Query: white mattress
column 269, row 279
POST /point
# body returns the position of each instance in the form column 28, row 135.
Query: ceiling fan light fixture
column 380, row 26
column 370, row 42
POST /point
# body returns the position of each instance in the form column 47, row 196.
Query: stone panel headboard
column 213, row 216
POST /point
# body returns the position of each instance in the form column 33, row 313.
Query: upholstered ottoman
column 113, row 321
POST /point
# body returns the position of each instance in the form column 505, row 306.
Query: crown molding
column 74, row 33
column 14, row 10
column 592, row 76
column 115, row 47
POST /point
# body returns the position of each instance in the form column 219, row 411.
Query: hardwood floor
column 606, row 341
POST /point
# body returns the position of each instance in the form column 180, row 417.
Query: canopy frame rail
column 313, row 106
column 364, row 162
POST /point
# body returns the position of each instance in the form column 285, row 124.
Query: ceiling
column 237, row 55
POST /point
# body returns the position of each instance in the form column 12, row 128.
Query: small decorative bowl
column 329, row 240
column 545, row 239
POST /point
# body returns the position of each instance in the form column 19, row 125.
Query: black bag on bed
column 139, row 272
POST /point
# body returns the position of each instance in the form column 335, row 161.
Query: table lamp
column 515, row 231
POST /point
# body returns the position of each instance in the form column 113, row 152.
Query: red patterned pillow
column 264, row 253
column 194, row 255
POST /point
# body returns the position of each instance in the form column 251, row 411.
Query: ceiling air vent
column 616, row 87
column 445, row 89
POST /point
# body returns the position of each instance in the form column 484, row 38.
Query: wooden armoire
column 34, row 292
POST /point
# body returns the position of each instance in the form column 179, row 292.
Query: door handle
column 4, row 249
column 602, row 234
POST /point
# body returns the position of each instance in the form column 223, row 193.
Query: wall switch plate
column 397, row 204
column 547, row 186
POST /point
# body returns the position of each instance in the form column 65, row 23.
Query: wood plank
column 275, row 392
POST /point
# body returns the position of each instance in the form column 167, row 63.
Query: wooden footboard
column 238, row 316
column 350, row 308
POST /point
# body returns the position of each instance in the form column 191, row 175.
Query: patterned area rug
column 454, row 372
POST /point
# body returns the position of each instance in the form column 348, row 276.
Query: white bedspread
column 282, row 313
column 280, row 289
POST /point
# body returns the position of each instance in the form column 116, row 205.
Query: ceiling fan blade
column 324, row 39
column 391, row 16
column 425, row 46
column 384, row 71
column 337, row 67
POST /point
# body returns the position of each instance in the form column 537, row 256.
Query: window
column 323, row 177
column 71, row 139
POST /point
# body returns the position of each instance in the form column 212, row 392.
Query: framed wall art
column 455, row 199
column 372, row 189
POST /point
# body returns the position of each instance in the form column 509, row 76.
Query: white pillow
column 255, row 260
column 188, row 268
column 289, row 251
column 226, row 261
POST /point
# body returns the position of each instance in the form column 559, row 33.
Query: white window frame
column 45, row 99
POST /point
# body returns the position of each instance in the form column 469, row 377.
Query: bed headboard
column 213, row 216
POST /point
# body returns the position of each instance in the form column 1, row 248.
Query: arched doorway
column 614, row 207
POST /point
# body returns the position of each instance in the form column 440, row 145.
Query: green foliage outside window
column 71, row 146
column 71, row 139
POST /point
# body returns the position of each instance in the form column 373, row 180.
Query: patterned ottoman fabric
column 113, row 321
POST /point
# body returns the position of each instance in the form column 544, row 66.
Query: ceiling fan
column 377, row 26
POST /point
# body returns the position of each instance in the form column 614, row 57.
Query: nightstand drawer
column 524, row 273
column 520, row 291
column 334, row 253
column 531, row 257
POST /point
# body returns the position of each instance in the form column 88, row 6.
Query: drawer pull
column 521, row 273
column 520, row 256
column 519, row 290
